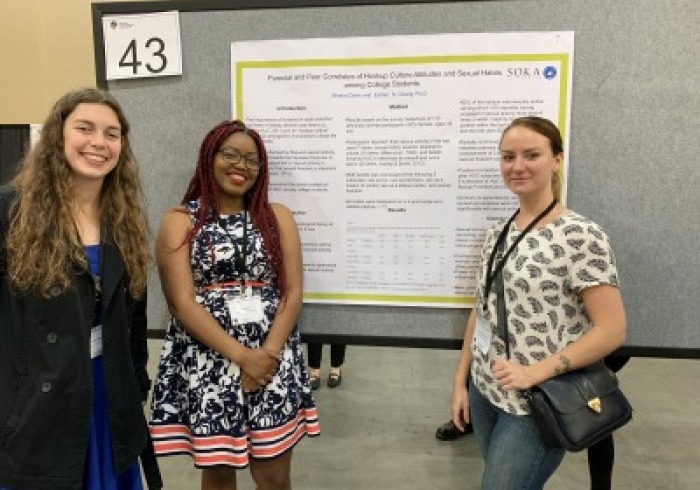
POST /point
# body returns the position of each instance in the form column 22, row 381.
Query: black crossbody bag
column 576, row 409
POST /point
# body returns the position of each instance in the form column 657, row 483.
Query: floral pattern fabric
column 199, row 406
column 543, row 280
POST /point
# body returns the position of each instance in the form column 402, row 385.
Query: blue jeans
column 514, row 455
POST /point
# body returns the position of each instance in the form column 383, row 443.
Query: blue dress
column 99, row 463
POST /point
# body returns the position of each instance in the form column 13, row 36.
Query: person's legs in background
column 601, row 455
column 601, row 458
column 337, row 360
column 314, row 353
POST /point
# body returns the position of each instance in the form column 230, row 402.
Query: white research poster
column 386, row 150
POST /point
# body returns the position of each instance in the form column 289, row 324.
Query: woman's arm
column 460, row 399
column 290, row 305
column 178, row 287
column 465, row 356
column 608, row 330
column 607, row 333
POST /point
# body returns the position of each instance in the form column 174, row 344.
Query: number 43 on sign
column 142, row 45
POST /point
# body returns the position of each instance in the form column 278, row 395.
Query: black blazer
column 46, row 375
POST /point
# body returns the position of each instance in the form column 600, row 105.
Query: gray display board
column 633, row 159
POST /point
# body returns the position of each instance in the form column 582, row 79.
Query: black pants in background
column 315, row 351
column 601, row 455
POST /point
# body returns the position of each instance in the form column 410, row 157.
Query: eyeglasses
column 234, row 157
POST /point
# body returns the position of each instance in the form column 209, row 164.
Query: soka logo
column 526, row 72
column 549, row 72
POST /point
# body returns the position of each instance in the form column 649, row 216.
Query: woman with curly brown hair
column 73, row 272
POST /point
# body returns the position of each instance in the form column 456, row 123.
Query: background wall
column 46, row 49
column 635, row 128
column 632, row 162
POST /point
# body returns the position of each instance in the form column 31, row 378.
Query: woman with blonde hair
column 562, row 310
column 73, row 272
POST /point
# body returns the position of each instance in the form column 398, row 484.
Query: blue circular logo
column 549, row 72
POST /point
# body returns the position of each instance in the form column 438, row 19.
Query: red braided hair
column 256, row 202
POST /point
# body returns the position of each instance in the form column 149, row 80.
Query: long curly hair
column 43, row 242
column 202, row 187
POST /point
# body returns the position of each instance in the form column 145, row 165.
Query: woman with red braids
column 231, row 389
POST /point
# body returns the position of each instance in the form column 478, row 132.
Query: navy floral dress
column 199, row 407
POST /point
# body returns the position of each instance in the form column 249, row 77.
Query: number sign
column 142, row 45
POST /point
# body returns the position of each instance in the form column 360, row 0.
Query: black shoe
column 334, row 380
column 449, row 431
column 314, row 382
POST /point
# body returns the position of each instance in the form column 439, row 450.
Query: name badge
column 482, row 335
column 245, row 309
column 95, row 341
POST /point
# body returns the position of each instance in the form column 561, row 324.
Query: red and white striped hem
column 234, row 451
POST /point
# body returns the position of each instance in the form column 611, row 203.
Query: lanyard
column 241, row 260
column 490, row 273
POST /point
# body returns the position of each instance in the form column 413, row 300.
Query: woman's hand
column 513, row 376
column 260, row 365
column 460, row 407
column 248, row 384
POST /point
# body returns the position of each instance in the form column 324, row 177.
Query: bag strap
column 490, row 272
column 499, row 247
column 501, row 312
